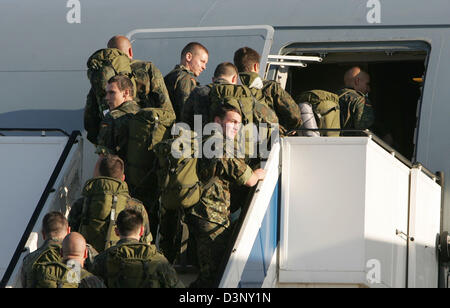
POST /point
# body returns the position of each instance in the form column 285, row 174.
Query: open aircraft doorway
column 397, row 71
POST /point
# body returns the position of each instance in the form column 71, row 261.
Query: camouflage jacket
column 151, row 92
column 356, row 110
column 214, row 205
column 198, row 103
column 180, row 82
column 165, row 273
column 113, row 135
column 50, row 250
column 76, row 215
column 280, row 101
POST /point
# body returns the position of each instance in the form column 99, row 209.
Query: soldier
column 209, row 220
column 183, row 78
column 198, row 102
column 84, row 216
column 356, row 109
column 54, row 228
column 113, row 135
column 247, row 61
column 131, row 263
column 74, row 253
column 151, row 90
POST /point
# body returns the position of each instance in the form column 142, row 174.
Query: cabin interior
column 397, row 72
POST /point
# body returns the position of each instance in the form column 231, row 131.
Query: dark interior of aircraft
column 395, row 88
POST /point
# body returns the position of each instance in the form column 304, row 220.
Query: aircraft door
column 163, row 46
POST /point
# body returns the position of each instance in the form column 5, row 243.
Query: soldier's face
column 196, row 61
column 231, row 124
column 114, row 96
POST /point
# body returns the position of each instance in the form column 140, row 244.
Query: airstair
column 340, row 212
column 332, row 212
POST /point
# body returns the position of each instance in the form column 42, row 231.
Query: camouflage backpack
column 146, row 129
column 326, row 110
column 253, row 106
column 178, row 174
column 103, row 65
column 104, row 199
column 56, row 274
column 137, row 265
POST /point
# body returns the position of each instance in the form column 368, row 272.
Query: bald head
column 122, row 43
column 357, row 79
column 74, row 247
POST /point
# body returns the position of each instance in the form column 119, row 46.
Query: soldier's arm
column 92, row 117
column 363, row 113
column 187, row 112
column 159, row 95
column 241, row 173
column 286, row 108
column 183, row 89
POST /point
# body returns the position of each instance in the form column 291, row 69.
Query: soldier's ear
column 234, row 79
column 130, row 53
column 141, row 231
column 85, row 256
column 116, row 231
column 189, row 56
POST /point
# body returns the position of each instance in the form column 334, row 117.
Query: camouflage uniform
column 164, row 276
column 50, row 251
column 180, row 82
column 280, row 101
column 113, row 135
column 151, row 92
column 209, row 220
column 198, row 103
column 76, row 217
column 356, row 110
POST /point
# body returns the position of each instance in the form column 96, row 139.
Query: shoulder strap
column 112, row 221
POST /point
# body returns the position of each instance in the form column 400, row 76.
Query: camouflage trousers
column 212, row 241
column 173, row 233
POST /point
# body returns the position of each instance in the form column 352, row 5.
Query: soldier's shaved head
column 74, row 246
column 357, row 79
column 122, row 43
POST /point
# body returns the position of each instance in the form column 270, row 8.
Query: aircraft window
column 396, row 83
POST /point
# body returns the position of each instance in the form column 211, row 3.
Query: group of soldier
column 136, row 240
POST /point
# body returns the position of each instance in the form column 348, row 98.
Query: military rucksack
column 135, row 265
column 103, row 65
column 146, row 129
column 57, row 275
column 178, row 174
column 104, row 199
column 254, row 109
column 326, row 110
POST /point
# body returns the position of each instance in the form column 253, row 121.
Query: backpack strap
column 112, row 220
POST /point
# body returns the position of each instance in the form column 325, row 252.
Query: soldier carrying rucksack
column 247, row 60
column 131, row 263
column 148, row 82
column 54, row 228
column 68, row 272
column 104, row 197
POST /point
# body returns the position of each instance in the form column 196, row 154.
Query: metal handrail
column 34, row 130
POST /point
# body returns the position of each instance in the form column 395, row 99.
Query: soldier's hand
column 260, row 173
